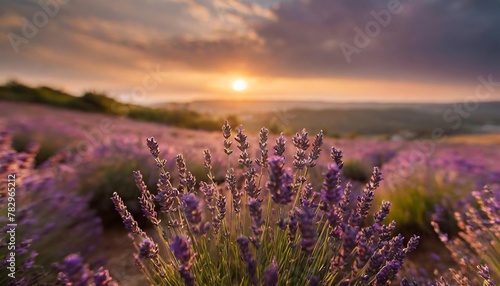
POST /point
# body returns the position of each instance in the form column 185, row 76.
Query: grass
column 101, row 178
column 49, row 144
column 100, row 103
column 414, row 202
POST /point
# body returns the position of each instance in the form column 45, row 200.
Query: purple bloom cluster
column 263, row 137
column 146, row 199
column 337, row 243
column 250, row 262
column 271, row 274
column 243, row 146
column 280, row 183
column 479, row 222
column 192, row 211
column 45, row 211
column 73, row 271
column 301, row 143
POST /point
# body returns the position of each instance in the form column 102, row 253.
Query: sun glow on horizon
column 240, row 85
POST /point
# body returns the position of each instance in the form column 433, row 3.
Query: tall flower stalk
column 303, row 236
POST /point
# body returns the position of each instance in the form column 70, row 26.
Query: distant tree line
column 100, row 103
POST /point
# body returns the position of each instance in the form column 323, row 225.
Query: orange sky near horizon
column 169, row 50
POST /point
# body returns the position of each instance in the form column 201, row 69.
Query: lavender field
column 98, row 204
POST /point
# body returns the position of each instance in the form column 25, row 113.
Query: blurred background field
column 95, row 153
column 411, row 87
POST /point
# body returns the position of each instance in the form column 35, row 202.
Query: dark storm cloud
column 430, row 40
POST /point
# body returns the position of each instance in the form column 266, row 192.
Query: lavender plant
column 273, row 228
column 51, row 221
column 74, row 271
column 476, row 249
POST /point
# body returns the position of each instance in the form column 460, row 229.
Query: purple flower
column 251, row 187
column 226, row 133
column 208, row 190
column 336, row 155
column 279, row 148
column 181, row 246
column 280, row 183
column 292, row 228
column 412, row 244
column 186, row 180
column 73, row 271
column 306, row 223
column 300, row 140
column 187, row 276
column 221, row 208
column 72, row 264
column 146, row 199
column 316, row 150
column 250, row 262
column 243, row 146
column 153, row 147
column 484, row 272
column 383, row 212
column 331, row 192
column 102, row 278
column 148, row 249
column 365, row 201
column 192, row 208
column 388, row 272
column 30, row 261
column 301, row 143
column 255, row 209
column 263, row 137
column 231, row 184
column 207, row 163
column 271, row 274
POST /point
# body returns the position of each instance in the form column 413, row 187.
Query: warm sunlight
column 240, row 85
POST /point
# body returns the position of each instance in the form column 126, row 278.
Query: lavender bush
column 476, row 249
column 417, row 181
column 52, row 221
column 266, row 224
column 74, row 271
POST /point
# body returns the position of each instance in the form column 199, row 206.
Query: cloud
column 429, row 41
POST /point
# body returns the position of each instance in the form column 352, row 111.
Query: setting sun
column 239, row 85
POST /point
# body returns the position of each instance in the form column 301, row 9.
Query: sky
column 149, row 51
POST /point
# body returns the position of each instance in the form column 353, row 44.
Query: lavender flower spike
column 331, row 193
column 231, row 181
column 337, row 156
column 129, row 222
column 192, row 208
column 148, row 249
column 102, row 278
column 243, row 146
column 280, row 181
column 316, row 150
column 263, row 137
column 153, row 147
column 271, row 274
column 279, row 148
column 181, row 246
column 305, row 216
column 226, row 133
column 250, row 262
column 146, row 200
column 484, row 272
